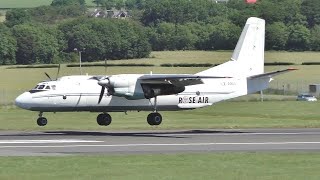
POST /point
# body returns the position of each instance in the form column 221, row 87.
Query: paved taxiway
column 51, row 143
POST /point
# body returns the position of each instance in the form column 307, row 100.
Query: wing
column 175, row 79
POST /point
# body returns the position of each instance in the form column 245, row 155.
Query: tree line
column 51, row 34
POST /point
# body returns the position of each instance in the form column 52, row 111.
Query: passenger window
column 41, row 87
column 53, row 87
column 48, row 87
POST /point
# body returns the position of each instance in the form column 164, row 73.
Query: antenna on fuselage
column 58, row 72
column 105, row 66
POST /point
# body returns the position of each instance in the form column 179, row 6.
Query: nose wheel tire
column 154, row 119
column 42, row 121
column 104, row 119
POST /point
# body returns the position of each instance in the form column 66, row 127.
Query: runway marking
column 237, row 134
column 138, row 145
column 46, row 141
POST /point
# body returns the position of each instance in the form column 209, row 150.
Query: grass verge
column 268, row 114
column 247, row 166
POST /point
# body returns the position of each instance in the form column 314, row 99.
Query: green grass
column 284, row 166
column 14, row 83
column 8, row 4
column 236, row 114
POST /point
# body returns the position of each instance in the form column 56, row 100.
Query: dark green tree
column 17, row 16
column 311, row 9
column 36, row 44
column 8, row 46
column 224, row 36
column 299, row 38
column 68, row 2
column 315, row 38
column 276, row 36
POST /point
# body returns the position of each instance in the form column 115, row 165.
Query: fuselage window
column 41, row 87
column 53, row 87
column 48, row 87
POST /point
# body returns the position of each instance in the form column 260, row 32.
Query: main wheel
column 42, row 121
column 154, row 119
column 104, row 119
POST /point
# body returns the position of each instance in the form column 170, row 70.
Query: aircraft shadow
column 162, row 134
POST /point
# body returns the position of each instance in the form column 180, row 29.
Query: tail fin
column 248, row 56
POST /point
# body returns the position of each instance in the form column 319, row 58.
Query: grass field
column 248, row 166
column 243, row 112
column 268, row 114
column 8, row 4
column 15, row 81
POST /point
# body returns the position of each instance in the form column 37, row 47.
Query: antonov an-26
column 241, row 75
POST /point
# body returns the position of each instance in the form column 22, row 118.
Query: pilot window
column 41, row 87
column 36, row 87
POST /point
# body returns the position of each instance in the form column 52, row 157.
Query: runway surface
column 53, row 143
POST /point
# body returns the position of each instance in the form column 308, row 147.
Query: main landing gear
column 104, row 119
column 155, row 118
column 42, row 121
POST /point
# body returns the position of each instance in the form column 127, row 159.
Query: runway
column 56, row 143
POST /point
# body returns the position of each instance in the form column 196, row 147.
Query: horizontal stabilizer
column 271, row 74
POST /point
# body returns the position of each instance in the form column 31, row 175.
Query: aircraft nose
column 24, row 100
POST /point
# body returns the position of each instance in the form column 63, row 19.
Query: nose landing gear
column 42, row 121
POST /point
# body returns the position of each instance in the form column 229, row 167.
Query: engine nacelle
column 125, row 86
column 130, row 87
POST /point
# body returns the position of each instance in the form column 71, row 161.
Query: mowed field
column 234, row 115
column 8, row 4
column 244, row 112
column 15, row 81
column 246, row 166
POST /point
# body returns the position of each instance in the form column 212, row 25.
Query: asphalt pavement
column 60, row 143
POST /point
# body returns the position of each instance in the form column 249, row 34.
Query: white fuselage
column 81, row 93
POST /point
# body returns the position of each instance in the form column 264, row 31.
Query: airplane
column 243, row 74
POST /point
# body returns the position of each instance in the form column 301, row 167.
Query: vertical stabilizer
column 248, row 56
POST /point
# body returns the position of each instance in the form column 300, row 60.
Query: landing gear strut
column 155, row 118
column 42, row 121
column 104, row 119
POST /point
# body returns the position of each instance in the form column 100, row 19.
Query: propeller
column 105, row 84
column 56, row 75
column 101, row 94
column 48, row 76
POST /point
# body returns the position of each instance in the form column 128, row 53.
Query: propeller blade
column 101, row 94
column 48, row 76
column 58, row 72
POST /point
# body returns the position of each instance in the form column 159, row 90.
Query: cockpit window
column 41, row 87
column 36, row 87
column 47, row 87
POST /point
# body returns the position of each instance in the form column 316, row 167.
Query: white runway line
column 46, row 141
column 238, row 134
column 141, row 145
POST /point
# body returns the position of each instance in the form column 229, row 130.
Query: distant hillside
column 9, row 4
